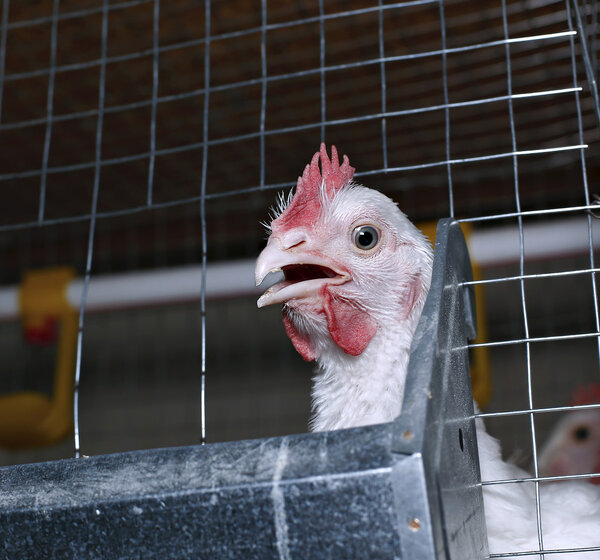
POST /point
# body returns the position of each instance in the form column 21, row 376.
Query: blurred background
column 125, row 130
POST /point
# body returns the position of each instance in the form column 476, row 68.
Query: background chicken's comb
column 304, row 206
column 586, row 394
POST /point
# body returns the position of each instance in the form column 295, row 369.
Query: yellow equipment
column 480, row 358
column 30, row 418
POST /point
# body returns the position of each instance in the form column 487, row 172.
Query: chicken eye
column 581, row 433
column 365, row 237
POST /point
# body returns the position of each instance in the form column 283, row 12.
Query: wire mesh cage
column 147, row 138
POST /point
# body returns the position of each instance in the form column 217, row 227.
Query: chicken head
column 353, row 263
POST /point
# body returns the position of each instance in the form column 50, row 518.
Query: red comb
column 586, row 394
column 305, row 205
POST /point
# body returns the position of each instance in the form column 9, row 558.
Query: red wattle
column 301, row 342
column 350, row 328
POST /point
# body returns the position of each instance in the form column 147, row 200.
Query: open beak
column 305, row 272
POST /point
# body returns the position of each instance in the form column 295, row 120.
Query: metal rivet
column 414, row 524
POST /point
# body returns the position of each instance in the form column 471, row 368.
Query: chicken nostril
column 296, row 244
column 293, row 239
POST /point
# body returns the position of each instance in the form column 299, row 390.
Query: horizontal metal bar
column 222, row 36
column 75, row 14
column 167, row 98
column 226, row 279
column 198, row 145
column 473, row 159
column 380, row 115
column 116, row 6
column 539, row 479
column 535, row 339
column 271, row 186
column 522, row 412
column 530, row 213
column 545, row 551
column 532, row 276
column 337, row 122
column 502, row 244
column 278, row 77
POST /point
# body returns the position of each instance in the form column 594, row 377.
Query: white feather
column 570, row 511
column 353, row 391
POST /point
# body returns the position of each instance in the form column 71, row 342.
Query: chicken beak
column 275, row 256
column 271, row 259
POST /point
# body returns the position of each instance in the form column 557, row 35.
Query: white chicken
column 573, row 446
column 357, row 273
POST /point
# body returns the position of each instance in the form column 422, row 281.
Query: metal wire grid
column 448, row 163
column 587, row 27
column 531, row 411
column 92, row 231
column 260, row 134
column 203, row 219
